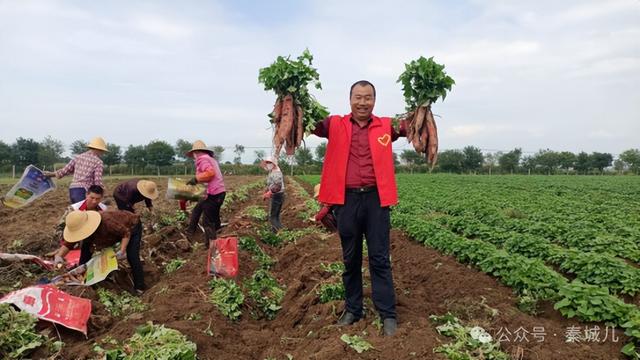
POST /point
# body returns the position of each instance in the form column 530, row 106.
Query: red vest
column 334, row 169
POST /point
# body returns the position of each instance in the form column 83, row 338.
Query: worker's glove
column 58, row 260
column 266, row 195
column 193, row 181
column 121, row 255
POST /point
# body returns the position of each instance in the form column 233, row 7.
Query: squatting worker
column 274, row 191
column 100, row 230
column 86, row 169
column 133, row 191
column 207, row 171
column 93, row 201
column 358, row 178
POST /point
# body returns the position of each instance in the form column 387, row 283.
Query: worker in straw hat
column 100, row 230
column 274, row 191
column 86, row 169
column 207, row 171
column 133, row 191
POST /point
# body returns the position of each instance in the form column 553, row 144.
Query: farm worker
column 358, row 178
column 273, row 191
column 133, row 191
column 86, row 169
column 325, row 216
column 100, row 230
column 93, row 201
column 207, row 171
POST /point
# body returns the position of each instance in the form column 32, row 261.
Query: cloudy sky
column 539, row 74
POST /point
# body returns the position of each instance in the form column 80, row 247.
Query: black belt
column 361, row 190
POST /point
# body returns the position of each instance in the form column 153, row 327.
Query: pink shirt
column 86, row 169
column 204, row 163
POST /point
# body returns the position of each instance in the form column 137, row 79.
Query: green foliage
column 256, row 212
column 424, row 80
column 335, row 268
column 356, row 343
column 286, row 76
column 266, row 292
column 159, row 153
column 19, row 336
column 249, row 244
column 469, row 343
column 330, row 292
column 174, row 265
column 119, row 305
column 269, row 237
column 153, row 342
column 227, row 297
column 591, row 303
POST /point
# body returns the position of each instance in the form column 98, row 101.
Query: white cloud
column 162, row 27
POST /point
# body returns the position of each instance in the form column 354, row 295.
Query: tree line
column 470, row 159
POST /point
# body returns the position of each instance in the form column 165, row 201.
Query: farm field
column 500, row 253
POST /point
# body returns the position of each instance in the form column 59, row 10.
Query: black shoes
column 389, row 326
column 347, row 318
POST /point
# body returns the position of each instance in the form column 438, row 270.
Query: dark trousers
column 133, row 255
column 77, row 194
column 361, row 215
column 210, row 207
column 277, row 200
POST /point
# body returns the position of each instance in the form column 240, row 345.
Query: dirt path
column 427, row 283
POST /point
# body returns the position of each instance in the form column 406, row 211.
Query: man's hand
column 150, row 210
column 193, row 181
column 121, row 255
column 49, row 174
column 266, row 195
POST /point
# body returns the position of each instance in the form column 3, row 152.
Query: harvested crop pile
column 423, row 82
column 295, row 110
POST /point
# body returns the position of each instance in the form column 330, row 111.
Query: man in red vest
column 358, row 177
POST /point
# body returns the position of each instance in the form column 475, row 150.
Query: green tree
column 182, row 147
column 491, row 160
column 78, row 147
column 548, row 160
column 473, row 159
column 601, row 160
column 631, row 158
column 451, row 161
column 583, row 162
column 619, row 165
column 412, row 158
column 25, row 151
column 566, row 160
column 135, row 155
column 217, row 152
column 303, row 156
column 238, row 150
column 159, row 153
column 321, row 150
column 113, row 156
column 509, row 161
column 50, row 151
column 260, row 154
column 5, row 153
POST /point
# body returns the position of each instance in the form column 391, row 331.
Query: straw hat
column 199, row 145
column 98, row 144
column 148, row 189
column 316, row 191
column 80, row 225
